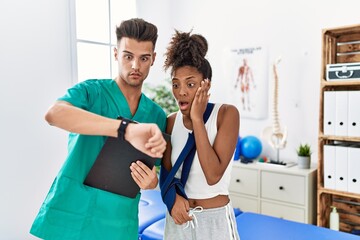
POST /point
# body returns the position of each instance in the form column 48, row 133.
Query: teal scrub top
column 73, row 210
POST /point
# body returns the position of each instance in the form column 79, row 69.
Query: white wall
column 157, row 12
column 291, row 29
column 35, row 70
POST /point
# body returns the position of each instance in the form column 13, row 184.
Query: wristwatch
column 123, row 125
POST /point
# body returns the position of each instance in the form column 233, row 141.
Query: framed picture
column 247, row 72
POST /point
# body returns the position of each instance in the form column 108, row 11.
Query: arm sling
column 169, row 184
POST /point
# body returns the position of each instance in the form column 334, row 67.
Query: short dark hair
column 138, row 29
column 186, row 49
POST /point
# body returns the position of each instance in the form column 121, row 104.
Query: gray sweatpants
column 208, row 224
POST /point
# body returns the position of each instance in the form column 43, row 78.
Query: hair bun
column 200, row 43
column 186, row 49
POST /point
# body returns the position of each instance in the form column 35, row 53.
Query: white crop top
column 196, row 186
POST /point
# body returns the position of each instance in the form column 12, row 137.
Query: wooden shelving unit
column 340, row 45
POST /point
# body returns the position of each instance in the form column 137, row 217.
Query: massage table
column 251, row 226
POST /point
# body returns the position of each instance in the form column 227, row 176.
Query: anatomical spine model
column 275, row 136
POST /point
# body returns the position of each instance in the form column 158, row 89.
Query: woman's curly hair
column 186, row 49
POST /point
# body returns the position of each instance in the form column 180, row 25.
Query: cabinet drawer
column 283, row 187
column 245, row 204
column 244, row 181
column 281, row 211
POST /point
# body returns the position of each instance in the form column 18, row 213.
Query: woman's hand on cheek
column 200, row 100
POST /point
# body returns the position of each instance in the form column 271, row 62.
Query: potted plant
column 162, row 95
column 304, row 156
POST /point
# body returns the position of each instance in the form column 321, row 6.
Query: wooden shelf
column 352, row 83
column 338, row 193
column 339, row 138
column 348, row 206
column 339, row 45
column 340, row 32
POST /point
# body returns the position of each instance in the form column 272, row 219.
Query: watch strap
column 123, row 125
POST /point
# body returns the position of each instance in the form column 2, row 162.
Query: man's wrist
column 123, row 125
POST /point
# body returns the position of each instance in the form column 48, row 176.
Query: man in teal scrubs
column 89, row 111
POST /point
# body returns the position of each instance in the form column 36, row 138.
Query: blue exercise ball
column 251, row 147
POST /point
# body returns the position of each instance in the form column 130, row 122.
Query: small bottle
column 334, row 219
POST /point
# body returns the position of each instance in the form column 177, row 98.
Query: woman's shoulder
column 224, row 108
column 228, row 111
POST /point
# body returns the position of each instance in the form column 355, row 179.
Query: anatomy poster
column 246, row 69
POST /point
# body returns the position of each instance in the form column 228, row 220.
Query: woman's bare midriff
column 215, row 202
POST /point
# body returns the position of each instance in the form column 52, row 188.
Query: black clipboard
column 111, row 169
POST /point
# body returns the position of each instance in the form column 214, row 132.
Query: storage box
column 343, row 71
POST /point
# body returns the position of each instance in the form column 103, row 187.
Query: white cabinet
column 288, row 193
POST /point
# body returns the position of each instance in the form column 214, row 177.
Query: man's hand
column 147, row 138
column 144, row 177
